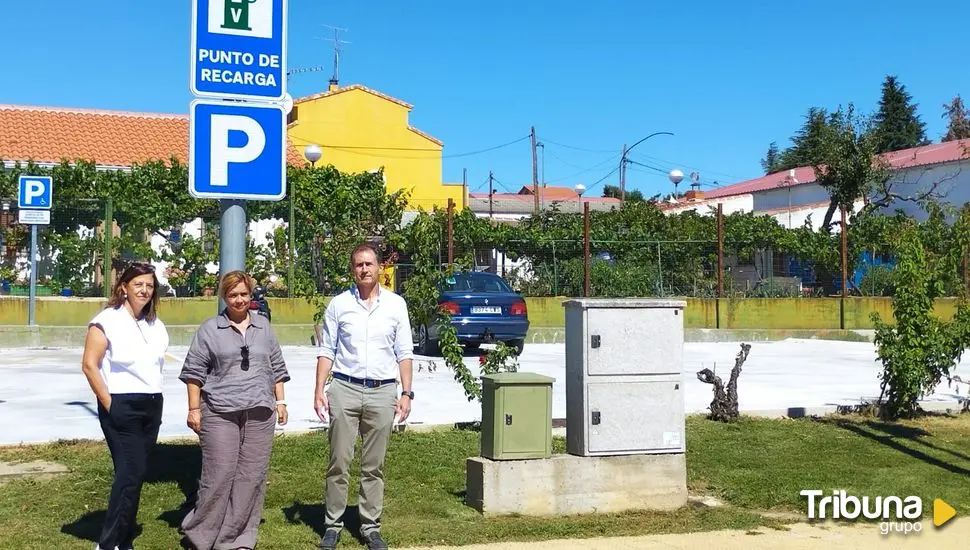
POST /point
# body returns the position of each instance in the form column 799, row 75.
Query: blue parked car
column 483, row 308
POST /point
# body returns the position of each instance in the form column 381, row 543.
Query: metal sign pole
column 32, row 308
column 232, row 238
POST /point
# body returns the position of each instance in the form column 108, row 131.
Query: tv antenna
column 302, row 70
column 336, row 50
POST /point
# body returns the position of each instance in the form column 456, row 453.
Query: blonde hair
column 233, row 278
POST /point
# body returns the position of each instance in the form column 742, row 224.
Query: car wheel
column 426, row 346
column 519, row 346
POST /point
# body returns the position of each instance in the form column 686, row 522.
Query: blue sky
column 726, row 78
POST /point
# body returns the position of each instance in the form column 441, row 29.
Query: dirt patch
column 38, row 469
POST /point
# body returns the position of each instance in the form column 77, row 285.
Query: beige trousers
column 236, row 448
column 368, row 412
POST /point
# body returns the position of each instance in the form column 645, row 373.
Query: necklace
column 137, row 324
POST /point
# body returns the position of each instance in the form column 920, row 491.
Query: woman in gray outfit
column 234, row 373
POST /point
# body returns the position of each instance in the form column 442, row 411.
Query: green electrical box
column 516, row 416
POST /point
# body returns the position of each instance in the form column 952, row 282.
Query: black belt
column 366, row 382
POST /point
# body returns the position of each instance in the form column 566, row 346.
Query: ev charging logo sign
column 252, row 18
column 237, row 151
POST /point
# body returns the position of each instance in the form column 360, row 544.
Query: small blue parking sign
column 239, row 49
column 237, row 150
column 35, row 193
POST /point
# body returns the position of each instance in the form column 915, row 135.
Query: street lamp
column 624, row 161
column 312, row 153
column 580, row 189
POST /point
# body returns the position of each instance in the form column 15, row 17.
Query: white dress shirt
column 367, row 343
column 136, row 352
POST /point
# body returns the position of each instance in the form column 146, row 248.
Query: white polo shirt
column 367, row 343
column 136, row 352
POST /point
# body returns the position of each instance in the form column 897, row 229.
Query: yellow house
column 359, row 129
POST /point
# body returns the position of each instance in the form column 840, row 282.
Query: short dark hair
column 118, row 295
column 363, row 248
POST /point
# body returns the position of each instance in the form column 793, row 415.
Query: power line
column 697, row 168
column 577, row 148
column 358, row 149
column 601, row 180
column 590, row 169
column 679, row 164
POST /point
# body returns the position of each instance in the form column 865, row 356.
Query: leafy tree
column 958, row 125
column 336, row 211
column 920, row 349
column 807, row 141
column 896, row 123
column 613, row 191
column 772, row 161
column 846, row 163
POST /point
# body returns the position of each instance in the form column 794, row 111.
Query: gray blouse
column 236, row 372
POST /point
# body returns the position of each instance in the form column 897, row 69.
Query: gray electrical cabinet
column 624, row 376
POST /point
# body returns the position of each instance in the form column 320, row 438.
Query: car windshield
column 476, row 283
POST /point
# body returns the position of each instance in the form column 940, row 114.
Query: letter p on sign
column 223, row 154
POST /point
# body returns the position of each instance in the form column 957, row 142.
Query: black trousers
column 130, row 430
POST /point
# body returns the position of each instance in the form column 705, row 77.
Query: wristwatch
column 408, row 394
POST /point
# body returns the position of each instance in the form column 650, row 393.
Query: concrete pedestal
column 567, row 484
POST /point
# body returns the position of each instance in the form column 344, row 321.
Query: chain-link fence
column 73, row 246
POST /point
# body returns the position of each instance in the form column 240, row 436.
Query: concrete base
column 567, row 484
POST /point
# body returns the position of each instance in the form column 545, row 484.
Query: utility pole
column 451, row 234
column 491, row 191
column 535, row 171
column 623, row 174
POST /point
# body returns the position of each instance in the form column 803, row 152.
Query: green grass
column 757, row 466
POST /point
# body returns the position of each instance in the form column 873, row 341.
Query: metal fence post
column 555, row 271
column 109, row 215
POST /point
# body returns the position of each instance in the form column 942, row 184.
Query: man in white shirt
column 366, row 344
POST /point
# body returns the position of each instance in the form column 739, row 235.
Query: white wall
column 952, row 181
column 799, row 195
column 799, row 215
column 730, row 205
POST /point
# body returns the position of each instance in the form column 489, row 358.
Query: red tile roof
column 107, row 138
column 936, row 153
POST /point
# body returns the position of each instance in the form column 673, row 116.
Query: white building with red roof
column 792, row 197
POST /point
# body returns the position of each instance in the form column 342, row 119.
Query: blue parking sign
column 35, row 192
column 237, row 150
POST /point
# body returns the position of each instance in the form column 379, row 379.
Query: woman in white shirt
column 123, row 357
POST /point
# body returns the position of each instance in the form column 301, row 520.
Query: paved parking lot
column 44, row 396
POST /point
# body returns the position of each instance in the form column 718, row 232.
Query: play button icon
column 942, row 512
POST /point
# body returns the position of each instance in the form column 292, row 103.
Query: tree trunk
column 829, row 214
column 724, row 407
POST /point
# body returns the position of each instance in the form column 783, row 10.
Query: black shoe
column 330, row 540
column 374, row 541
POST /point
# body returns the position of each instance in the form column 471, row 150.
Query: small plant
column 501, row 359
column 920, row 349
